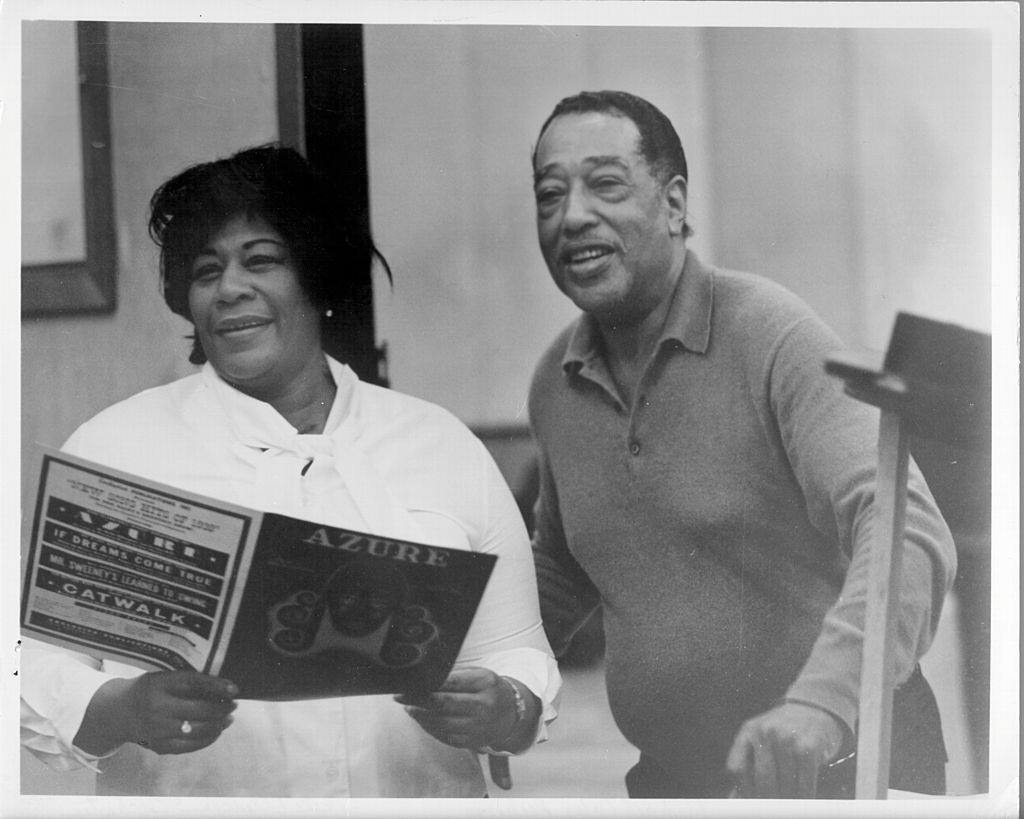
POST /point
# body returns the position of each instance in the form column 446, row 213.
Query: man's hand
column 779, row 754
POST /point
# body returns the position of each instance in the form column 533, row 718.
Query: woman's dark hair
column 659, row 143
column 329, row 243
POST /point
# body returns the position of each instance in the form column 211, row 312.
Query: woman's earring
column 329, row 312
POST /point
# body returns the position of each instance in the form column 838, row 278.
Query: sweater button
column 634, row 447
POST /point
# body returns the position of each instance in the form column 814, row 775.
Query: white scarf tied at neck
column 326, row 477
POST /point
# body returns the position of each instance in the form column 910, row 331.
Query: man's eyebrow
column 591, row 161
column 540, row 173
column 607, row 160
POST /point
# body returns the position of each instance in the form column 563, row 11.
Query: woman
column 254, row 253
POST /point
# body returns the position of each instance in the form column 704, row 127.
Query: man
column 706, row 484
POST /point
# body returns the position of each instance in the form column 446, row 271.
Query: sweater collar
column 687, row 323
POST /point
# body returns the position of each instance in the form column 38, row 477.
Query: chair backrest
column 948, row 372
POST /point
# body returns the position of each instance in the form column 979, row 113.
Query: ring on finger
column 186, row 727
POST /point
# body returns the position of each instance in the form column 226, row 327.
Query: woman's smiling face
column 255, row 322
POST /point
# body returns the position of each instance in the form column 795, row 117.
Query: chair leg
column 874, row 728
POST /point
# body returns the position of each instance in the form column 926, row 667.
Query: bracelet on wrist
column 520, row 703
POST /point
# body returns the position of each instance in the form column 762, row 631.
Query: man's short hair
column 659, row 143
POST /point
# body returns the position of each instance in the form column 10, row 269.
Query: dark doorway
column 322, row 114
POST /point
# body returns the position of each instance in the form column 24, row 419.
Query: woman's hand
column 170, row 712
column 475, row 708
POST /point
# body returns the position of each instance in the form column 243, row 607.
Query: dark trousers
column 917, row 759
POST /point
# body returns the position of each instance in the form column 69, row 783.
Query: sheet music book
column 129, row 569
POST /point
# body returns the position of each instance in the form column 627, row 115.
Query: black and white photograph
column 629, row 392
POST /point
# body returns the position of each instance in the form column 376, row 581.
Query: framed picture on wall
column 68, row 247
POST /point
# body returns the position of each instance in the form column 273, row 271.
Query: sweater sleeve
column 567, row 596
column 831, row 442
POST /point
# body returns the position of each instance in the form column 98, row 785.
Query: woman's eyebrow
column 261, row 240
column 212, row 251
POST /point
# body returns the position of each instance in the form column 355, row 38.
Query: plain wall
column 851, row 165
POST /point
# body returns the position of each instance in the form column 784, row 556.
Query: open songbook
column 128, row 569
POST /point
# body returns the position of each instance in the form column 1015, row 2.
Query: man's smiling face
column 603, row 218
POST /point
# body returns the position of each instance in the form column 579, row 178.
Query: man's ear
column 675, row 197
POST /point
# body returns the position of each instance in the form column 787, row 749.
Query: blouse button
column 634, row 447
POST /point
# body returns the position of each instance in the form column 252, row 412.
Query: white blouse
column 386, row 463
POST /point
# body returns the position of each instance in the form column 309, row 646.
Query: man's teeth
column 586, row 255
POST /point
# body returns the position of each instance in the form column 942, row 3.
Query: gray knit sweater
column 722, row 521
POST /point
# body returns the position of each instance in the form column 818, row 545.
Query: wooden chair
column 935, row 382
